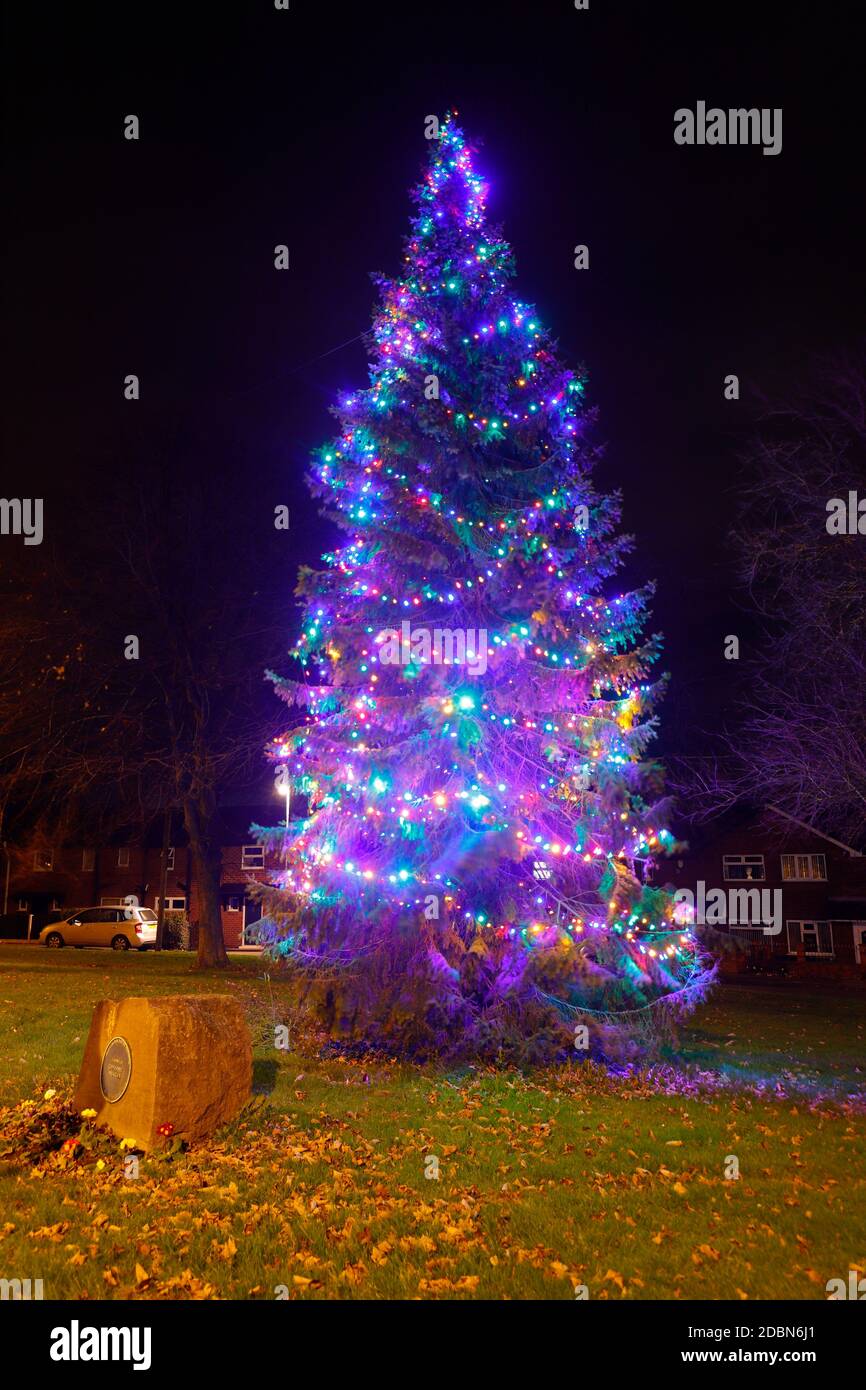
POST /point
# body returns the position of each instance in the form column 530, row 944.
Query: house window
column 817, row 938
column 23, row 904
column 172, row 904
column 755, row 934
column 232, row 903
column 170, row 860
column 742, row 868
column 43, row 860
column 253, row 857
column 123, row 857
column 88, row 861
column 112, row 902
column 804, row 868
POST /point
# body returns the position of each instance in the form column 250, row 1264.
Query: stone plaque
column 116, row 1069
column 191, row 1073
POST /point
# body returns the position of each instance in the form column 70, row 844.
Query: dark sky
column 306, row 127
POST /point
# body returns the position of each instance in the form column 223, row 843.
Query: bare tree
column 800, row 741
column 134, row 662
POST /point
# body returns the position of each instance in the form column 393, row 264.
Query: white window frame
column 40, row 868
column 811, row 925
column 112, row 902
column 170, row 860
column 748, row 932
column 123, row 857
column 257, row 852
column 173, row 903
column 234, row 902
column 797, row 862
column 23, row 905
column 88, row 861
column 753, row 861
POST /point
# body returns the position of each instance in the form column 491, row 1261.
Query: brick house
column 50, row 881
column 821, row 884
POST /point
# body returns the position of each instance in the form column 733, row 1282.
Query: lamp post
column 163, row 879
column 284, row 788
column 6, row 881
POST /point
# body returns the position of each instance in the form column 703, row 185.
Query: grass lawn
column 547, row 1180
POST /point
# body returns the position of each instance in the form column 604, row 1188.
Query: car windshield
column 146, row 915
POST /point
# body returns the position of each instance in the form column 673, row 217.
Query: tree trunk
column 207, row 865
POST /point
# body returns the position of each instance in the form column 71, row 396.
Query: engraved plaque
column 116, row 1069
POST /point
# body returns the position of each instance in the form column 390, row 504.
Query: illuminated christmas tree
column 472, row 704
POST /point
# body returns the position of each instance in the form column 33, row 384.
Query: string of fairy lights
column 485, row 514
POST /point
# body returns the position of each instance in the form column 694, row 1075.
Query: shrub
column 175, row 935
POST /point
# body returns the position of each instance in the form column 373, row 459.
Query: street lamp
column 284, row 788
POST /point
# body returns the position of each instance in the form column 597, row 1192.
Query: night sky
column 261, row 127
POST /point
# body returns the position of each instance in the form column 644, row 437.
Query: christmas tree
column 472, row 706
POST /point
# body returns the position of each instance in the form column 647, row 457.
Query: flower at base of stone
column 49, row 1094
column 100, row 1164
column 165, row 1130
column 128, row 1144
column 88, row 1114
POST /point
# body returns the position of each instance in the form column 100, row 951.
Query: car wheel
column 54, row 939
column 120, row 943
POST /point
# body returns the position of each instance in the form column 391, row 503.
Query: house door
column 252, row 913
column 860, row 942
